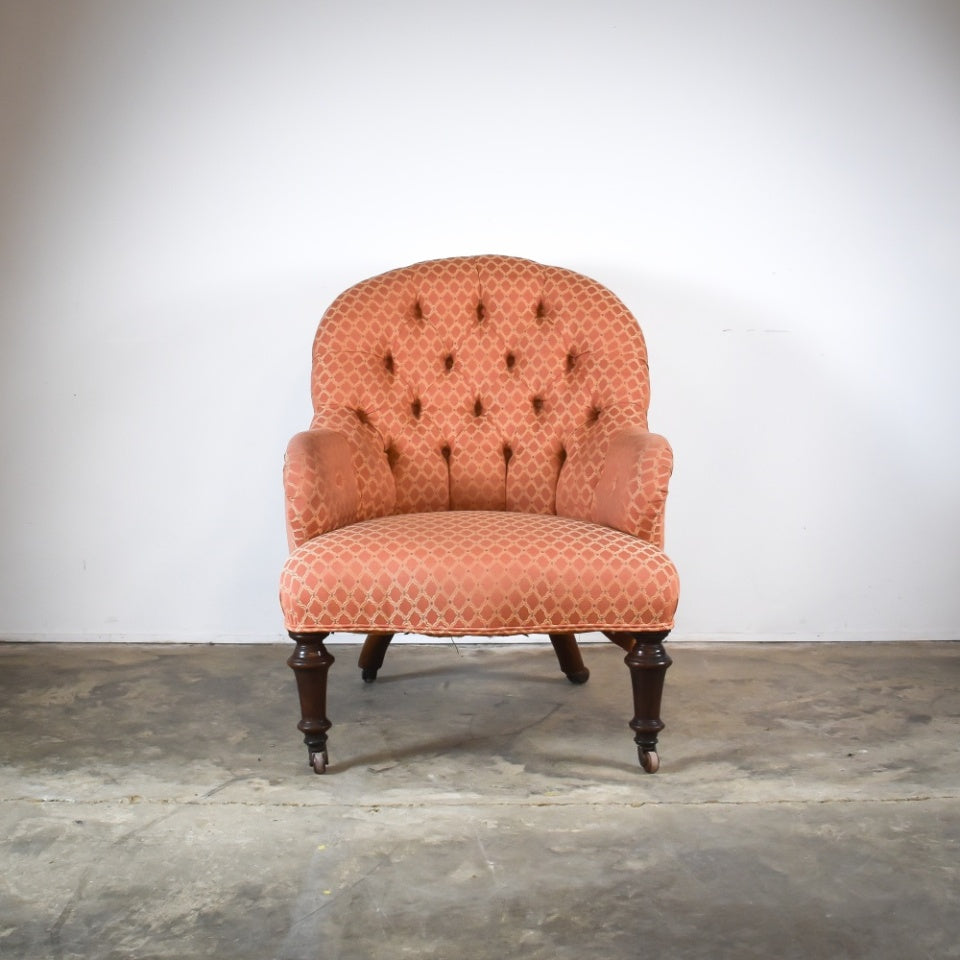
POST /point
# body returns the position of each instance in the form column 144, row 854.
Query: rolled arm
column 631, row 491
column 320, row 484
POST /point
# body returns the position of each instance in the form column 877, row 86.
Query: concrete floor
column 155, row 802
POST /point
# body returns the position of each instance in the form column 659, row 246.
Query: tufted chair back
column 479, row 383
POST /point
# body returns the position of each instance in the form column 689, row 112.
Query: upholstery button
column 478, row 408
column 594, row 415
column 571, row 361
column 511, row 361
column 445, row 452
column 417, row 311
column 541, row 310
column 362, row 415
column 507, row 452
column 537, row 404
column 448, row 362
column 388, row 362
column 416, row 408
column 392, row 456
column 562, row 456
column 481, row 312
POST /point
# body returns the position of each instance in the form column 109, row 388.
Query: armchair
column 478, row 464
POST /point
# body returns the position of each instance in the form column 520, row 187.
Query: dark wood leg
column 568, row 654
column 623, row 640
column 372, row 654
column 310, row 662
column 648, row 662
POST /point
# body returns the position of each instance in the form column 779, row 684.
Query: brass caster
column 319, row 762
column 650, row 760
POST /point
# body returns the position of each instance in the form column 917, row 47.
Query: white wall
column 771, row 186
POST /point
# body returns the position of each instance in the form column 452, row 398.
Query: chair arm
column 320, row 484
column 631, row 489
column 631, row 492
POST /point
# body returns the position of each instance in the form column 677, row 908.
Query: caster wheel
column 368, row 675
column 582, row 677
column 650, row 760
column 319, row 762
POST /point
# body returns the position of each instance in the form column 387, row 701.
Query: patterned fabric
column 319, row 477
column 482, row 573
column 629, row 473
column 478, row 377
column 478, row 384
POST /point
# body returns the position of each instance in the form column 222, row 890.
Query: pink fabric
column 485, row 385
column 631, row 492
column 475, row 572
column 320, row 483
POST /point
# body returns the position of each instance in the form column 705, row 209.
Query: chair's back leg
column 624, row 641
column 568, row 654
column 372, row 654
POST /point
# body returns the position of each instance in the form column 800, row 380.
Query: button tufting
column 562, row 456
column 448, row 362
column 445, row 452
column 537, row 404
column 594, row 415
column 362, row 415
column 511, row 361
column 388, row 362
column 571, row 361
column 481, row 312
column 507, row 452
column 478, row 408
column 416, row 408
column 393, row 456
column 417, row 311
column 541, row 310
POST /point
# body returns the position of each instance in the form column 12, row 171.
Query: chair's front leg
column 648, row 662
column 310, row 662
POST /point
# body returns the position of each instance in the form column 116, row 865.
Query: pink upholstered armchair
column 478, row 464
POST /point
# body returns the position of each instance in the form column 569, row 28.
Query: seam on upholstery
column 332, row 626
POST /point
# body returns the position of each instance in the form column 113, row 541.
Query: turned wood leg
column 372, row 654
column 310, row 662
column 568, row 654
column 648, row 662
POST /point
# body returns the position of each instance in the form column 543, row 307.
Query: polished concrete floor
column 155, row 801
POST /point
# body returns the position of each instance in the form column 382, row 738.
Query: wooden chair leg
column 623, row 640
column 372, row 654
column 568, row 654
column 311, row 662
column 648, row 662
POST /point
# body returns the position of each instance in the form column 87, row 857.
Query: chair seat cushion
column 473, row 572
